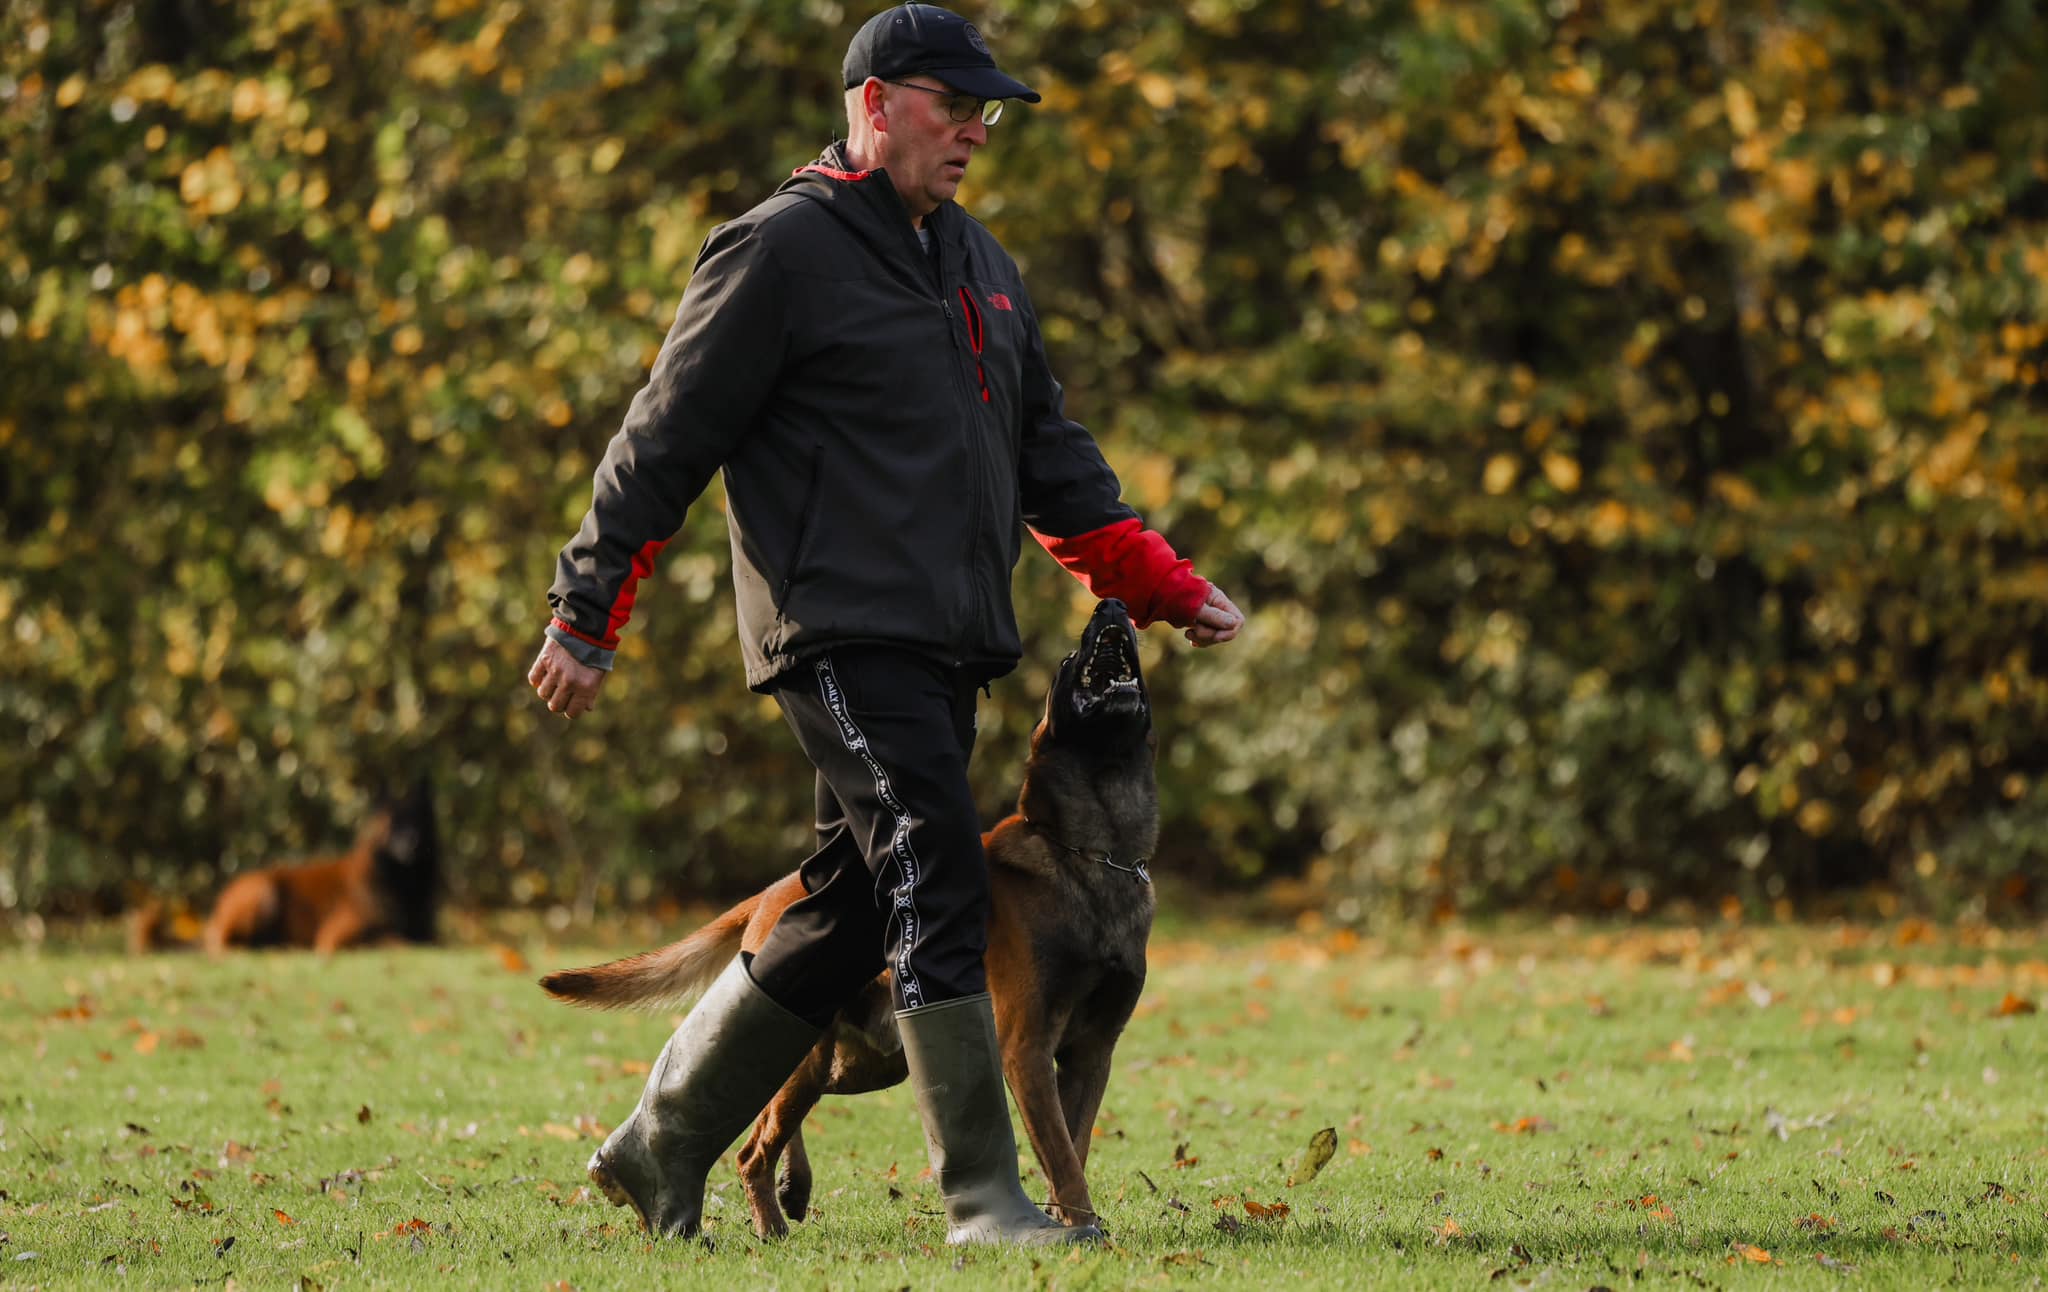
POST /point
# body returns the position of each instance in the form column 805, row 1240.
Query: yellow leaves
column 1952, row 461
column 606, row 155
column 1734, row 491
column 71, row 91
column 1741, row 108
column 253, row 100
column 1156, row 90
column 437, row 65
column 1575, row 81
column 1501, row 472
column 1816, row 817
column 154, row 83
column 1609, row 523
column 211, row 185
column 1562, row 471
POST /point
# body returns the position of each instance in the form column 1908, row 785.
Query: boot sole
column 600, row 1173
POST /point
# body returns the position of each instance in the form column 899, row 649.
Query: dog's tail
column 671, row 976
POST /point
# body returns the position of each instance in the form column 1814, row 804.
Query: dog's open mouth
column 1106, row 677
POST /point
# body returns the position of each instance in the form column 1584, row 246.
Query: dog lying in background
column 386, row 886
column 1070, row 912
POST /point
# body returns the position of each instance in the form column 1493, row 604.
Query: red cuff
column 622, row 605
column 1136, row 566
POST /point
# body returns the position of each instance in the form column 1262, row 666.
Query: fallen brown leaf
column 2013, row 1005
column 1524, row 1126
column 511, row 958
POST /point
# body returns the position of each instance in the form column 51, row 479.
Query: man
column 860, row 359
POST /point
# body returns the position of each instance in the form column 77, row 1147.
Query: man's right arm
column 708, row 384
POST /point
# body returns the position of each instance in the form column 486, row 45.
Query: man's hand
column 1217, row 621
column 568, row 688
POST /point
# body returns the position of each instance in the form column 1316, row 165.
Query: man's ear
column 872, row 92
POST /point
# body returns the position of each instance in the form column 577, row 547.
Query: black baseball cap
column 914, row 39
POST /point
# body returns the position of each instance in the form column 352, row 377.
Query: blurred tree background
column 1625, row 421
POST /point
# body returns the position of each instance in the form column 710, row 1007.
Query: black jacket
column 885, row 421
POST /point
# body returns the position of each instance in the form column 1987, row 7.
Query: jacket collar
column 868, row 201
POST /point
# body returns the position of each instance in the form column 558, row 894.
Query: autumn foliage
column 1623, row 422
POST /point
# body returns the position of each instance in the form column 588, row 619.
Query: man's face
column 924, row 150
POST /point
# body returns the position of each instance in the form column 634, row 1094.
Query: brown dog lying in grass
column 387, row 885
column 1070, row 911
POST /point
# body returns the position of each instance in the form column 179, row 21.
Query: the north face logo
column 999, row 301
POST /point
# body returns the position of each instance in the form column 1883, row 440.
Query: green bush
column 1623, row 426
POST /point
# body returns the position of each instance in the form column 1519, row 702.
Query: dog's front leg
column 1084, row 1075
column 344, row 925
column 1028, row 1065
column 779, row 1126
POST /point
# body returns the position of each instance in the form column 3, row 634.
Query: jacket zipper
column 971, row 313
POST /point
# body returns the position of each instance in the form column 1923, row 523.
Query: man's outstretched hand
column 1216, row 622
column 565, row 686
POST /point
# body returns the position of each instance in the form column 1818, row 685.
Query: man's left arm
column 1073, row 504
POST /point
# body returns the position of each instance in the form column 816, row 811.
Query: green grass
column 1566, row 1109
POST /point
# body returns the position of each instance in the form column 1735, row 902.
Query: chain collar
column 1135, row 869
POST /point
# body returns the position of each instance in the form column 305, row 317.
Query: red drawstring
column 972, row 315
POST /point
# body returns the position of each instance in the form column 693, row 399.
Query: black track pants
column 899, row 878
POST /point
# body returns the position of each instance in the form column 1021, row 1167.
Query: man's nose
column 975, row 132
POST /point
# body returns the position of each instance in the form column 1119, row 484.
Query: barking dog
column 1070, row 911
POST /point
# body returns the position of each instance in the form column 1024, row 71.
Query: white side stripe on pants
column 907, row 868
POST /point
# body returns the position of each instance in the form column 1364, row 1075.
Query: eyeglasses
column 961, row 107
